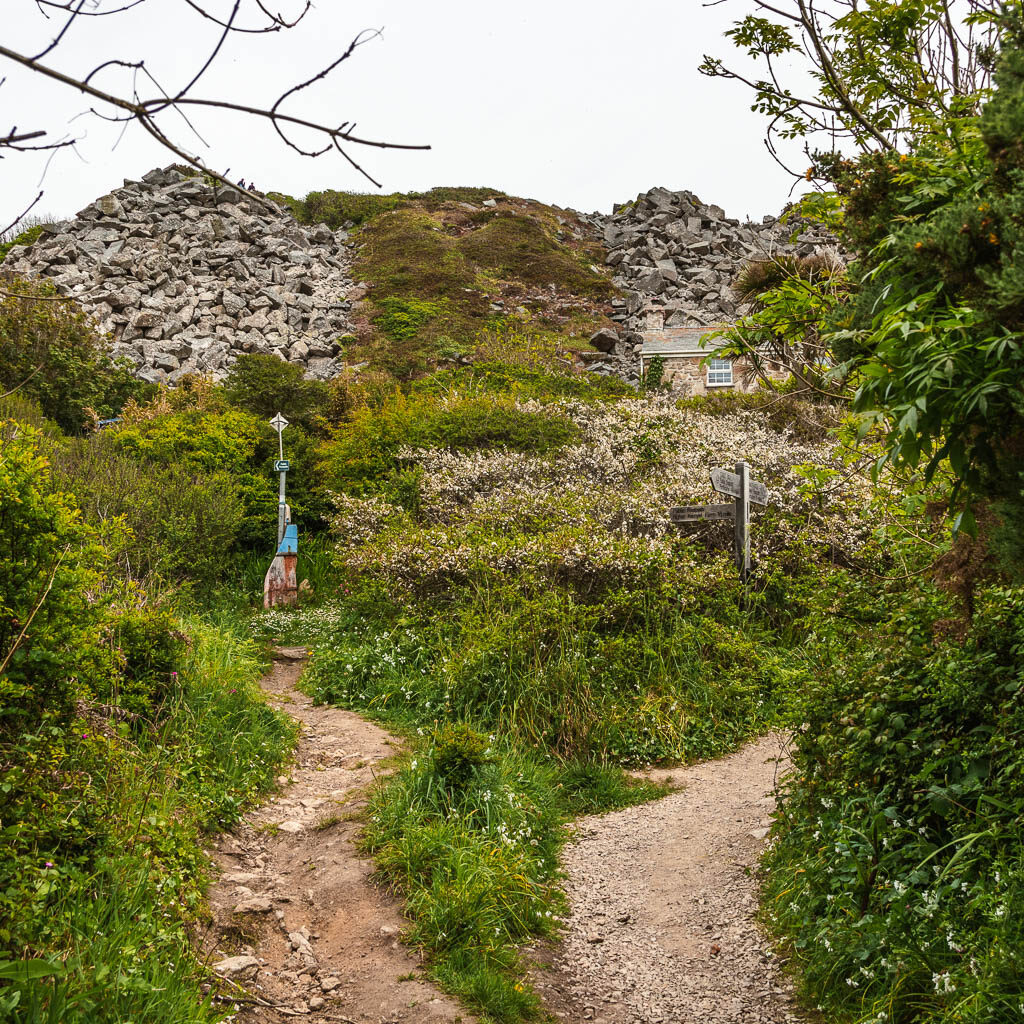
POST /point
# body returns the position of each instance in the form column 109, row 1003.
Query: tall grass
column 541, row 699
column 109, row 917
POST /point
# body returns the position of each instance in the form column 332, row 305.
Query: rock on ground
column 184, row 276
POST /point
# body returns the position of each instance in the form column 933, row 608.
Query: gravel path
column 299, row 929
column 663, row 903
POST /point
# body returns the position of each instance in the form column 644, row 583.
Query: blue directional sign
column 290, row 541
column 282, row 466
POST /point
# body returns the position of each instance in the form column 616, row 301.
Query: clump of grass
column 475, row 856
column 107, row 914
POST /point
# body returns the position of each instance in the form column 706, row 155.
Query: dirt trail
column 662, row 906
column 297, row 921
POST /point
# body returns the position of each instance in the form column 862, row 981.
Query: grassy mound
column 444, row 273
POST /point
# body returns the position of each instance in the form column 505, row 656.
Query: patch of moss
column 402, row 318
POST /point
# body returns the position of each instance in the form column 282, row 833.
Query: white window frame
column 720, row 373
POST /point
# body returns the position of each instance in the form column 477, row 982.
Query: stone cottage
column 684, row 350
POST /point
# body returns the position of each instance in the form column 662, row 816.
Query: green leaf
column 27, row 970
column 965, row 523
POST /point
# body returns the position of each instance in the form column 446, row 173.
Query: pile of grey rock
column 676, row 260
column 184, row 276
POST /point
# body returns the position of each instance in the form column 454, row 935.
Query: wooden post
column 742, row 522
column 281, row 585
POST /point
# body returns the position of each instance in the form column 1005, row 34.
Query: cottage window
column 720, row 373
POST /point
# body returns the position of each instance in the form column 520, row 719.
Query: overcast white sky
column 581, row 104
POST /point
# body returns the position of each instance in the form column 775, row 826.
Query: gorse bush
column 52, row 354
column 402, row 318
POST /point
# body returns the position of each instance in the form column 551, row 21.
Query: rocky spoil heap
column 677, row 258
column 184, row 276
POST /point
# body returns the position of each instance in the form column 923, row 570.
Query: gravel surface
column 299, row 928
column 662, row 923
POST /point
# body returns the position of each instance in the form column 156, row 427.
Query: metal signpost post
column 743, row 490
column 282, row 467
column 280, row 586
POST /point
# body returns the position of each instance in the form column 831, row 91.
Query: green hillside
column 447, row 276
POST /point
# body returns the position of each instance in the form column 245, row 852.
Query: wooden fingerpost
column 741, row 521
column 743, row 491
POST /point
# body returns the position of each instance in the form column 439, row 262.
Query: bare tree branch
column 125, row 105
column 21, row 216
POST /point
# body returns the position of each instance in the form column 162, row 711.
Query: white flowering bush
column 597, row 508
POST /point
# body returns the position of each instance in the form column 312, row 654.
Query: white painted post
column 742, row 521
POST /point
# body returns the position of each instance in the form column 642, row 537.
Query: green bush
column 26, row 237
column 458, row 753
column 182, row 521
column 897, row 863
column 237, row 449
column 266, row 385
column 150, row 650
column 362, row 457
column 339, row 209
column 52, row 354
column 51, row 593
